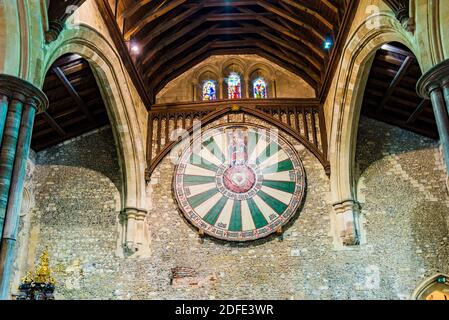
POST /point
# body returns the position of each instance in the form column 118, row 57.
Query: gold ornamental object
column 39, row 285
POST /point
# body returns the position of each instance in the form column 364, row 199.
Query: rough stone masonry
column 405, row 212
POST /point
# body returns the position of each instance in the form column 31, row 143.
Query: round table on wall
column 239, row 182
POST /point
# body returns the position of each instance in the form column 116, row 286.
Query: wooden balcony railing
column 303, row 119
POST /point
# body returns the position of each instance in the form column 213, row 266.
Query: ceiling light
column 328, row 42
column 135, row 49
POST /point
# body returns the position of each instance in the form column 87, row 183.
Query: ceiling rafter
column 291, row 46
column 178, row 50
column 308, row 10
column 161, row 28
column 310, row 75
column 396, row 80
column 172, row 38
column 245, row 29
column 331, row 6
column 170, row 5
column 286, row 31
column 419, row 109
column 73, row 93
column 281, row 13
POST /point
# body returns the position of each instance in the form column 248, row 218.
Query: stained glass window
column 260, row 89
column 234, row 86
column 209, row 90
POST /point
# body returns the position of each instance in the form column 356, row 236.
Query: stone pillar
column 348, row 222
column 434, row 85
column 134, row 221
column 3, row 112
column 445, row 86
column 23, row 101
column 8, row 151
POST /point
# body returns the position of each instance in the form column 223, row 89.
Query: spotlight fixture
column 328, row 43
column 135, row 49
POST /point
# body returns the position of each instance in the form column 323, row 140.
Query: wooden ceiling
column 390, row 94
column 76, row 105
column 174, row 35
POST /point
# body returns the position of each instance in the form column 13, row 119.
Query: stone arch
column 230, row 63
column 114, row 85
column 428, row 283
column 351, row 80
column 207, row 68
column 265, row 69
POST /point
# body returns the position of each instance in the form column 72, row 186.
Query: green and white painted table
column 239, row 182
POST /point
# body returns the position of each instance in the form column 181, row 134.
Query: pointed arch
column 346, row 106
column 114, row 85
column 433, row 282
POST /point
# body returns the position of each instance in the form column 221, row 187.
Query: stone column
column 3, row 112
column 348, row 222
column 445, row 86
column 434, row 84
column 23, row 101
column 8, row 151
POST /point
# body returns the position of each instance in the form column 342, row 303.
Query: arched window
column 260, row 88
column 234, row 86
column 209, row 90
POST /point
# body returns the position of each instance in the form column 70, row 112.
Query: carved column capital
column 134, row 213
column 18, row 89
column 435, row 78
column 133, row 220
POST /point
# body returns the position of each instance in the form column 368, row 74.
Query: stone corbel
column 147, row 176
column 54, row 30
column 348, row 222
column 133, row 220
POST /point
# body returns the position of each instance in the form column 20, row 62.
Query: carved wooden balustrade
column 303, row 119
